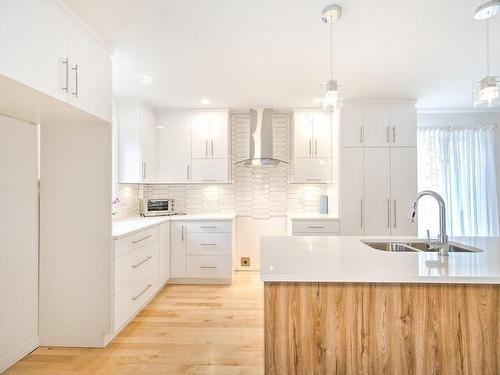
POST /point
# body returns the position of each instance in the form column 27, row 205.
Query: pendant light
column 332, row 99
column 486, row 91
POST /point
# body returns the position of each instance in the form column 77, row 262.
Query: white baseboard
column 19, row 353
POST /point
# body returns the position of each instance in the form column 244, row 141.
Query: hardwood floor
column 186, row 329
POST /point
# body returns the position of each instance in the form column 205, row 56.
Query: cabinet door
column 210, row 170
column 312, row 170
column 403, row 189
column 351, row 192
column 376, row 127
column 303, row 135
column 148, row 141
column 404, row 126
column 164, row 257
column 178, row 248
column 173, row 153
column 322, row 133
column 219, row 129
column 129, row 140
column 33, row 36
column 377, row 191
column 89, row 73
column 351, row 127
column 200, row 136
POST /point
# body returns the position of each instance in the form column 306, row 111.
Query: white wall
column 18, row 240
column 466, row 118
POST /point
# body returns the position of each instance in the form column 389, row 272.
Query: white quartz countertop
column 312, row 217
column 126, row 226
column 347, row 259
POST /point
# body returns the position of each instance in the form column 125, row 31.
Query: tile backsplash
column 255, row 192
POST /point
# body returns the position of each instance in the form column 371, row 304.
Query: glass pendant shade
column 486, row 92
column 332, row 99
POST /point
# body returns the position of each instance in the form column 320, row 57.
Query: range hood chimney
column 261, row 139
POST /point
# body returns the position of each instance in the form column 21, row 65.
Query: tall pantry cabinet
column 378, row 169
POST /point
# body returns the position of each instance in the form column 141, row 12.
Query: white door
column 33, row 36
column 322, row 133
column 200, row 136
column 377, row 191
column 178, row 249
column 312, row 170
column 351, row 127
column 164, row 257
column 303, row 135
column 210, row 170
column 219, row 129
column 403, row 189
column 403, row 126
column 18, row 238
column 351, row 192
column 377, row 132
column 89, row 73
column 148, row 140
column 173, row 148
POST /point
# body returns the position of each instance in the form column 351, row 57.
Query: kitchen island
column 334, row 305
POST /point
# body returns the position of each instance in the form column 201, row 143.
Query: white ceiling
column 242, row 53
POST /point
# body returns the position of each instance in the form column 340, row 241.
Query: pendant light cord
column 331, row 48
column 488, row 47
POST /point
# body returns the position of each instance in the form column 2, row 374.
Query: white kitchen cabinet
column 137, row 143
column 164, row 253
column 403, row 189
column 178, row 249
column 210, row 170
column 377, row 191
column 200, row 138
column 376, row 128
column 173, row 142
column 210, row 135
column 312, row 152
column 314, row 227
column 351, row 191
column 44, row 47
column 352, row 132
column 219, row 134
column 403, row 122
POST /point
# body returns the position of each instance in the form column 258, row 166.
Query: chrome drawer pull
column 315, row 227
column 208, row 267
column 208, row 226
column 142, row 239
column 142, row 262
column 141, row 293
column 208, row 244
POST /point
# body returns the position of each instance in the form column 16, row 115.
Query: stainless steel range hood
column 261, row 139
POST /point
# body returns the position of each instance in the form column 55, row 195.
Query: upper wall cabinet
column 47, row 49
column 312, row 147
column 137, row 143
column 378, row 125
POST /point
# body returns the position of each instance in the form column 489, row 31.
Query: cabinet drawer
column 208, row 244
column 135, row 264
column 131, row 299
column 315, row 226
column 124, row 245
column 208, row 266
column 212, row 226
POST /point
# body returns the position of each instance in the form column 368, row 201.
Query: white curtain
column 459, row 164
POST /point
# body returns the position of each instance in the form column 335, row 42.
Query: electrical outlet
column 245, row 261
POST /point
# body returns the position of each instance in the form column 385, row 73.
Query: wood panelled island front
column 381, row 328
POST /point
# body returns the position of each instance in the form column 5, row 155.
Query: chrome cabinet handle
column 208, row 267
column 388, row 213
column 208, row 226
column 208, row 244
column 143, row 170
column 142, row 262
column 142, row 292
column 387, row 135
column 316, row 147
column 361, row 211
column 361, row 135
column 310, row 147
column 394, row 134
column 395, row 213
column 182, row 232
column 142, row 239
column 206, row 147
column 75, row 68
column 212, row 147
column 66, row 62
column 188, row 172
column 315, row 227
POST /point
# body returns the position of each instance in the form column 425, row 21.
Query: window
column 459, row 164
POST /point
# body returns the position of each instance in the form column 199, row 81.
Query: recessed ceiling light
column 146, row 80
column 487, row 10
column 205, row 101
column 317, row 100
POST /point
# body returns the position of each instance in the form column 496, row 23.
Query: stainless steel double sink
column 415, row 246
